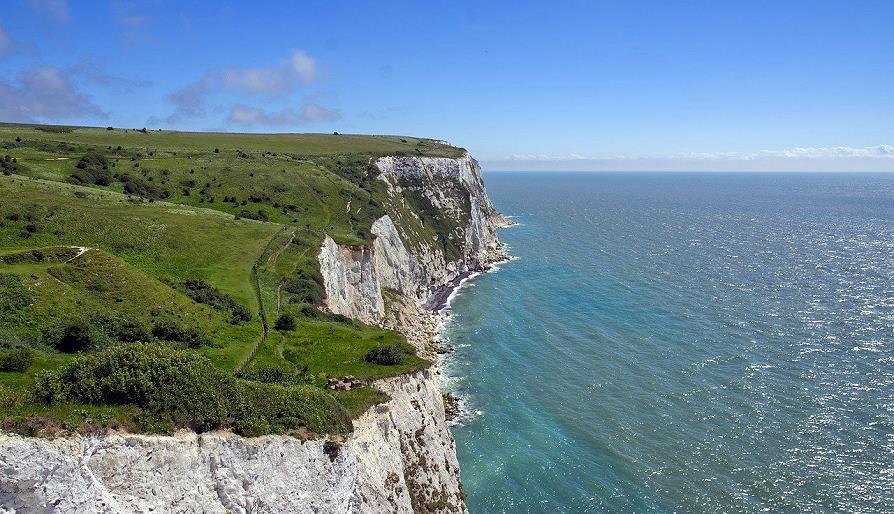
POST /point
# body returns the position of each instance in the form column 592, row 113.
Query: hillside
column 196, row 244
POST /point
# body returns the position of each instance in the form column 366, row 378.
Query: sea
column 681, row 342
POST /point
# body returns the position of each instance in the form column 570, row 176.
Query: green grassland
column 194, row 243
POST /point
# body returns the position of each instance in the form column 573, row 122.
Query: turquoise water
column 682, row 342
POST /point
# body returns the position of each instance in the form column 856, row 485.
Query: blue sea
column 681, row 342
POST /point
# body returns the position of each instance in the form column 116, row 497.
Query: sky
column 597, row 85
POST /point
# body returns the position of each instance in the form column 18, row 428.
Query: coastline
column 458, row 406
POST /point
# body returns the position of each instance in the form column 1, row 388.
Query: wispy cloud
column 44, row 94
column 283, row 78
column 56, row 9
column 132, row 22
column 89, row 70
column 544, row 157
column 830, row 152
column 311, row 112
column 832, row 158
column 5, row 43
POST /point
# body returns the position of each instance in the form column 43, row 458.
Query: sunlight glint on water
column 682, row 342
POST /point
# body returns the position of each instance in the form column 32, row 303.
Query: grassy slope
column 309, row 185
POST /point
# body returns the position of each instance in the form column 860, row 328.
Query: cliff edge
column 401, row 456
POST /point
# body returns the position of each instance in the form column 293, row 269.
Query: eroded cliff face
column 403, row 258
column 401, row 456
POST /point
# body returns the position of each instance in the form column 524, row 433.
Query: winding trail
column 256, row 284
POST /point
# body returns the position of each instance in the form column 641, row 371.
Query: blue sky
column 522, row 85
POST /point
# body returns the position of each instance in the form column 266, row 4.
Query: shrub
column 92, row 168
column 186, row 390
column 388, row 354
column 167, row 383
column 240, row 315
column 17, row 360
column 203, row 292
column 285, row 322
column 331, row 448
column 192, row 337
column 10, row 165
column 73, row 336
column 129, row 331
column 92, row 160
column 139, row 187
column 305, row 289
column 261, row 215
column 268, row 375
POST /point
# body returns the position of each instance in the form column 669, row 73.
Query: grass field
column 195, row 240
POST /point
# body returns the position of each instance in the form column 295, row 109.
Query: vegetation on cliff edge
column 128, row 254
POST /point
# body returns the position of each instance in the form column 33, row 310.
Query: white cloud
column 833, row 158
column 833, row 152
column 299, row 68
column 314, row 112
column 44, row 94
column 303, row 66
column 57, row 9
column 544, row 157
column 281, row 79
column 255, row 80
column 244, row 115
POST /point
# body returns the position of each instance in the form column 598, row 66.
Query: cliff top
column 298, row 144
column 204, row 246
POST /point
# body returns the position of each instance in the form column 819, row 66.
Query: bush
column 285, row 322
column 240, row 315
column 389, row 354
column 128, row 331
column 192, row 337
column 331, row 448
column 186, row 390
column 167, row 383
column 261, row 215
column 74, row 335
column 268, row 375
column 92, row 168
column 305, row 289
column 17, row 360
column 139, row 187
column 203, row 292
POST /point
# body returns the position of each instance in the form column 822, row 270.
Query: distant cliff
column 401, row 456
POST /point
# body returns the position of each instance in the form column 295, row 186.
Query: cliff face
column 401, row 456
column 405, row 258
column 390, row 283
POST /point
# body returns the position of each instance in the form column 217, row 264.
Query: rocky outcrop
column 405, row 262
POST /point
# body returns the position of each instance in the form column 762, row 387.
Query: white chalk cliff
column 401, row 456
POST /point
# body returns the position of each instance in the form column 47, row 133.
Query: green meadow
column 144, row 271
